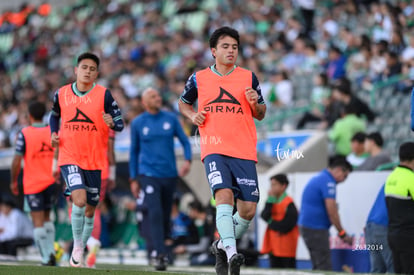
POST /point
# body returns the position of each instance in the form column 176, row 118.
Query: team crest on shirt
column 217, row 106
column 145, row 130
column 166, row 125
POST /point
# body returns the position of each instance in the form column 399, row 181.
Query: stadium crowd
column 160, row 43
column 351, row 46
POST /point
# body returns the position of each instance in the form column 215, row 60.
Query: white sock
column 230, row 251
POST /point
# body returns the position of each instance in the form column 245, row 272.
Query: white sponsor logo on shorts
column 96, row 198
column 248, row 182
column 215, row 178
column 74, row 179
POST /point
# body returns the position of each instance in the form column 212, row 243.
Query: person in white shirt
column 16, row 229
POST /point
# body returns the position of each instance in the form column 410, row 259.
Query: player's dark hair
column 282, row 178
column 223, row 31
column 406, row 152
column 88, row 55
column 340, row 161
column 37, row 110
column 359, row 137
column 377, row 138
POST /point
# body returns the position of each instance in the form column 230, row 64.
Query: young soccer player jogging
column 229, row 97
column 39, row 188
column 87, row 111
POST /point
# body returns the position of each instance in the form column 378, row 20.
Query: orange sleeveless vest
column 229, row 128
column 38, row 158
column 83, row 131
column 280, row 245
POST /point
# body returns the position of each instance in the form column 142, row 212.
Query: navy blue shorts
column 44, row 200
column 77, row 178
column 237, row 174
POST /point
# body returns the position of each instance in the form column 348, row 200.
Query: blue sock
column 87, row 229
column 50, row 233
column 78, row 219
column 40, row 238
column 225, row 226
column 240, row 225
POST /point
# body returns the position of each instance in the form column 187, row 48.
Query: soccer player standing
column 229, row 97
column 33, row 146
column 87, row 111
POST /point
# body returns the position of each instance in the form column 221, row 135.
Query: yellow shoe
column 58, row 252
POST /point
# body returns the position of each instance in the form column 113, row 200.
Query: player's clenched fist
column 108, row 120
column 198, row 118
column 55, row 140
column 251, row 95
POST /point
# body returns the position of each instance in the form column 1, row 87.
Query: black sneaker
column 235, row 262
column 222, row 267
column 160, row 263
column 51, row 262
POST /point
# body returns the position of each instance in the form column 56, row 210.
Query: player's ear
column 213, row 52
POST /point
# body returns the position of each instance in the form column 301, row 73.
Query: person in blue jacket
column 376, row 232
column 153, row 169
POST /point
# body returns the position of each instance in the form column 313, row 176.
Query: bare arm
column 188, row 111
column 335, row 220
column 258, row 110
column 14, row 173
column 333, row 213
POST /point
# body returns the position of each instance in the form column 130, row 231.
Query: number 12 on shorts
column 212, row 166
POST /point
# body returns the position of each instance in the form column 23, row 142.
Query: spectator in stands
column 358, row 154
column 281, row 236
column 377, row 64
column 307, row 9
column 394, row 66
column 281, row 93
column 320, row 101
column 16, row 229
column 343, row 130
column 199, row 252
column 406, row 84
column 295, row 58
column 397, row 44
column 377, row 156
column 399, row 188
column 376, row 231
column 336, row 64
column 319, row 211
column 342, row 93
